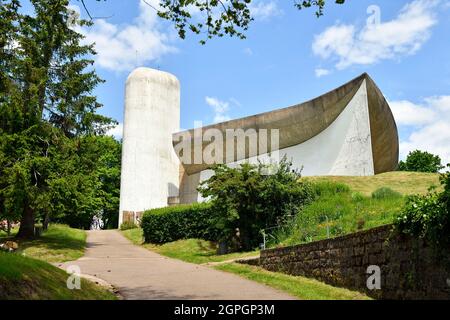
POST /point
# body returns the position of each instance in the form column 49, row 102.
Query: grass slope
column 347, row 204
column 59, row 243
column 404, row 182
column 338, row 211
column 300, row 287
column 23, row 278
column 27, row 274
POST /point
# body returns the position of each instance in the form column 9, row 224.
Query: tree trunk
column 26, row 229
column 45, row 222
column 8, row 227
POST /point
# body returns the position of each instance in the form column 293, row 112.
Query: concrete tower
column 150, row 167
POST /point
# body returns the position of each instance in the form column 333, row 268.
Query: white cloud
column 320, row 72
column 408, row 113
column 124, row 47
column 116, row 132
column 430, row 122
column 264, row 10
column 220, row 108
column 404, row 35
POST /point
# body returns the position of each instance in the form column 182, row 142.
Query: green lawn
column 24, row 278
column 59, row 243
column 300, row 287
column 190, row 250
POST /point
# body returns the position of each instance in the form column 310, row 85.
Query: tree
column 246, row 200
column 84, row 182
column 46, row 112
column 108, row 173
column 91, row 186
column 421, row 161
column 219, row 17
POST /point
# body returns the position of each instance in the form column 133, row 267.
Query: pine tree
column 47, row 111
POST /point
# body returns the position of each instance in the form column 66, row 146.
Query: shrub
column 428, row 217
column 357, row 197
column 246, row 200
column 326, row 187
column 127, row 225
column 445, row 196
column 178, row 222
column 385, row 193
column 423, row 217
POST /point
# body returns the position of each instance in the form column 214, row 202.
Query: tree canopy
column 216, row 18
column 421, row 161
column 54, row 162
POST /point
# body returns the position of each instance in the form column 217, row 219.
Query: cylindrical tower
column 150, row 167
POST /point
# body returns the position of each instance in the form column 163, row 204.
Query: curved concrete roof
column 301, row 122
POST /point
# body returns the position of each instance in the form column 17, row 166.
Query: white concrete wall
column 150, row 167
column 344, row 148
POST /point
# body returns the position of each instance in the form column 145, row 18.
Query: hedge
column 178, row 222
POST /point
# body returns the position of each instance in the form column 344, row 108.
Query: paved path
column 141, row 274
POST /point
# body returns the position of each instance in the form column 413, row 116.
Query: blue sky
column 289, row 56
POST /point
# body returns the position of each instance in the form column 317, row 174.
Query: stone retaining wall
column 409, row 268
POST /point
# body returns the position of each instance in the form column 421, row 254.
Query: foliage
column 127, row 225
column 428, row 217
column 421, row 161
column 178, row 222
column 385, row 193
column 215, row 18
column 445, row 195
column 90, row 186
column 51, row 155
column 246, row 200
column 108, row 173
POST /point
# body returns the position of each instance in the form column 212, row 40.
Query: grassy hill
column 350, row 204
column 404, row 182
column 59, row 243
column 27, row 273
column 23, row 278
